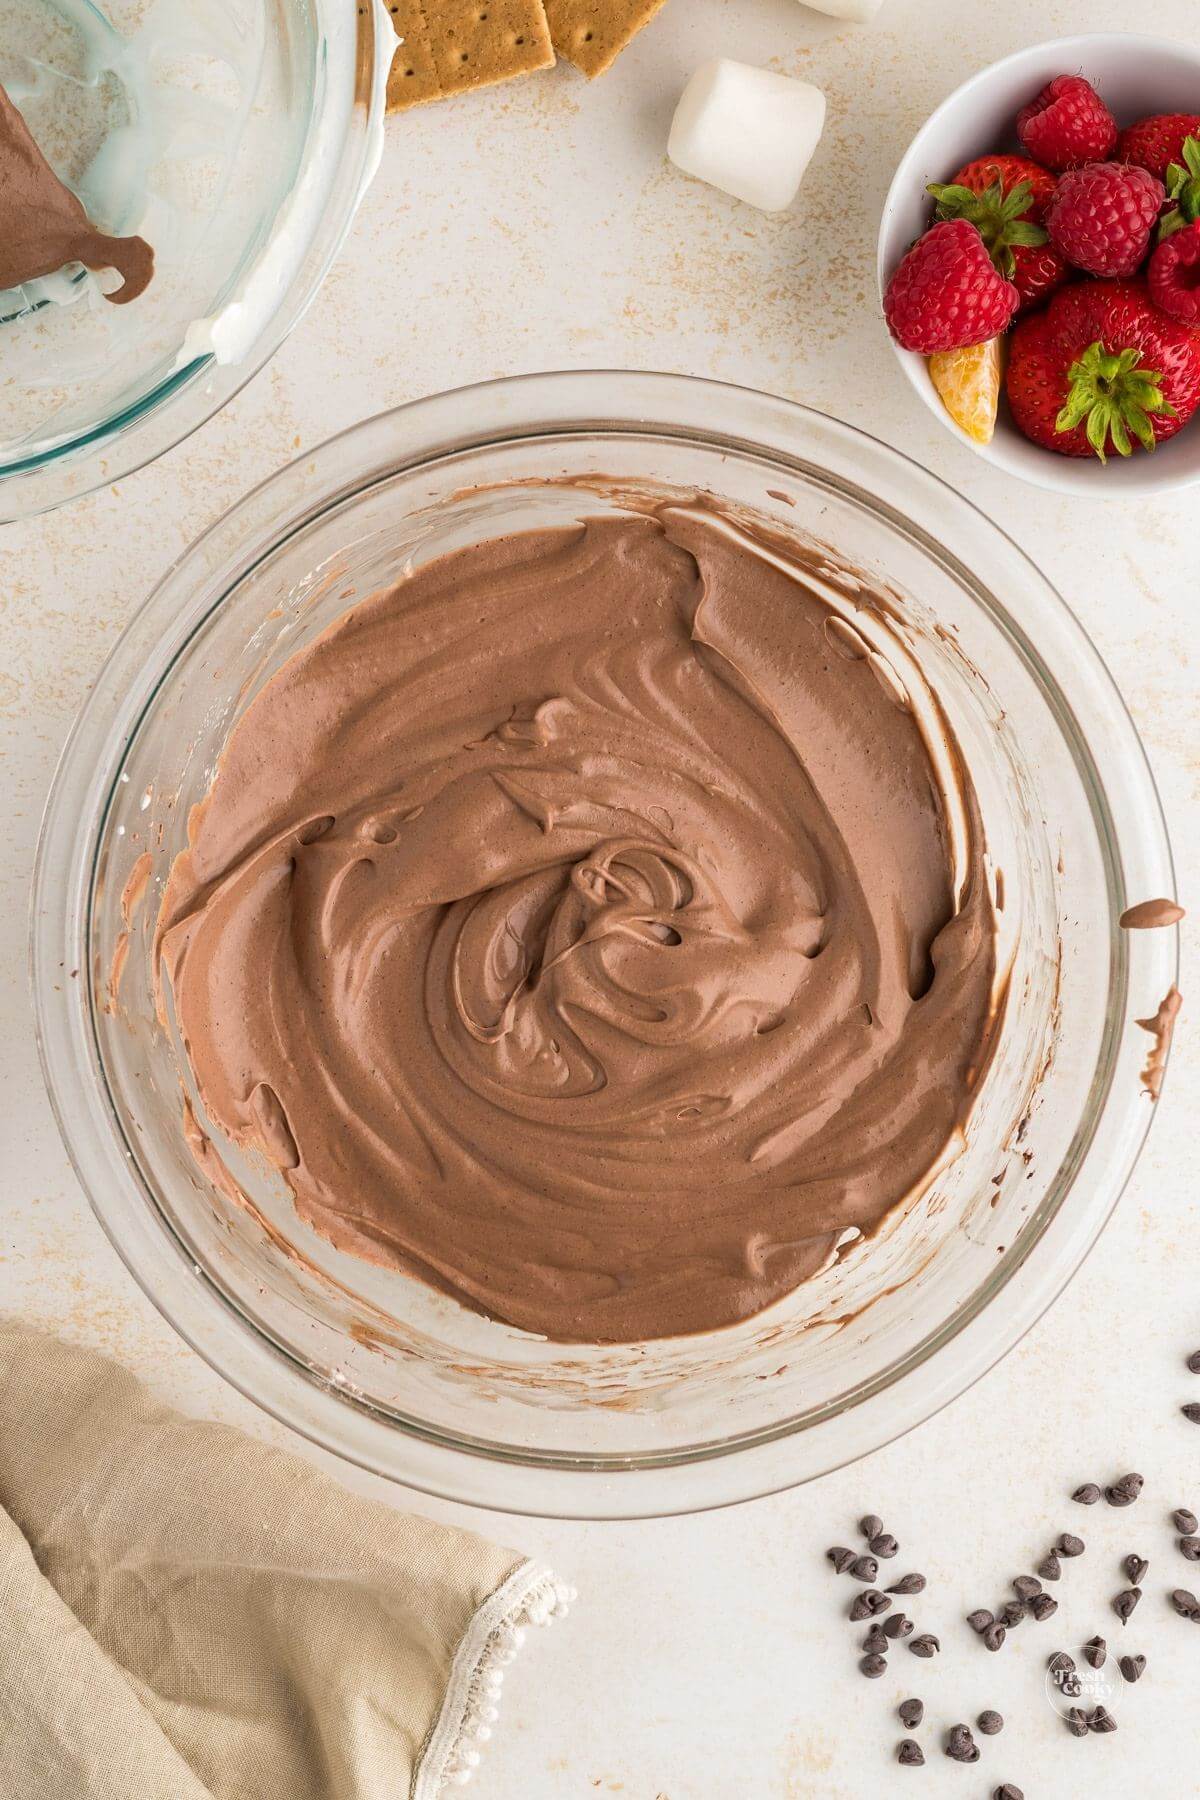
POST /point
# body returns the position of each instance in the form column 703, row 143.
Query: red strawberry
column 1173, row 275
column 1157, row 141
column 1067, row 124
column 1099, row 366
column 946, row 294
column 1006, row 198
column 1102, row 216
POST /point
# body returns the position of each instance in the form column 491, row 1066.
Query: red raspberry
column 1067, row 124
column 1173, row 276
column 946, row 293
column 1102, row 216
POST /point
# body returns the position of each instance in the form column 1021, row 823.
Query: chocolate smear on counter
column 1148, row 915
column 43, row 225
column 1161, row 1028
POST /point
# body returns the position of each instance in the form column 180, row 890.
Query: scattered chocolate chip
column 1069, row 1545
column 1077, row 1722
column 961, row 1746
column 908, row 1584
column 1006, row 1791
column 1185, row 1521
column 1190, row 1547
column 869, row 1605
column 873, row 1667
column 1070, row 1687
column 1125, row 1491
column 870, row 1526
column 864, row 1568
column 898, row 1626
column 1095, row 1651
column 1191, row 1411
column 1133, row 1667
column 1135, row 1568
column 1193, row 1362
column 1012, row 1613
column 910, row 1753
column 924, row 1644
column 1185, row 1603
column 1061, row 1664
column 990, row 1723
column 1050, row 1569
column 911, row 1713
column 1026, row 1586
column 875, row 1643
column 1087, row 1495
column 840, row 1557
column 980, row 1619
column 1043, row 1606
column 994, row 1636
column 1125, row 1602
column 1100, row 1719
column 884, row 1545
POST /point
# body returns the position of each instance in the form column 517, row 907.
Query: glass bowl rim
column 553, row 406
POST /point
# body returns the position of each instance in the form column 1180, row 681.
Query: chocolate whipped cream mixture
column 581, row 926
column 43, row 226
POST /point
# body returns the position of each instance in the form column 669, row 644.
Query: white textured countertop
column 538, row 226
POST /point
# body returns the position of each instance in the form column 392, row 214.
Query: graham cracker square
column 450, row 46
column 593, row 33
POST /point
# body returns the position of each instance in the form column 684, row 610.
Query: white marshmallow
column 748, row 131
column 858, row 11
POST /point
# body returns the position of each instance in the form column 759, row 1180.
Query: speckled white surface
column 540, row 226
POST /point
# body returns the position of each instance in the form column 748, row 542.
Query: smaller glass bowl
column 375, row 1365
column 238, row 138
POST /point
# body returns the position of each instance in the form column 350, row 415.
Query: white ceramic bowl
column 1135, row 75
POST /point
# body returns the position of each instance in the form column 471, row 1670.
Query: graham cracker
column 593, row 33
column 452, row 45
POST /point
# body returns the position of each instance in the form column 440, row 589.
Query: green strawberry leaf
column 998, row 217
column 1183, row 187
column 1111, row 395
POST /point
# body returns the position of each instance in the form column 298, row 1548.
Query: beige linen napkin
column 189, row 1614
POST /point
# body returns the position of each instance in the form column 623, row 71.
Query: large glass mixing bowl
column 237, row 137
column 373, row 1364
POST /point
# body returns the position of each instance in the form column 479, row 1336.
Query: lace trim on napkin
column 530, row 1596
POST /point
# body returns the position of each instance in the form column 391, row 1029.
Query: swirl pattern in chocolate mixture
column 579, row 926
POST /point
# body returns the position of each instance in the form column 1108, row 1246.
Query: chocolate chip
column 1193, row 1362
column 1190, row 1547
column 925, row 1644
column 994, row 1636
column 1061, row 1664
column 980, row 1619
column 1006, row 1791
column 911, row 1713
column 1012, row 1613
column 1125, row 1602
column 870, row 1526
column 910, row 1753
column 864, row 1568
column 908, row 1584
column 840, row 1557
column 869, row 1605
column 990, row 1723
column 1185, row 1521
column 1087, row 1495
column 1185, row 1603
column 1133, row 1667
column 1050, row 1569
column 1070, row 1687
column 1095, row 1651
column 1043, row 1606
column 1069, row 1545
column 899, row 1626
column 1077, row 1722
column 1125, row 1491
column 873, row 1667
column 1026, row 1586
column 1191, row 1411
column 883, row 1544
column 1100, row 1719
column 961, row 1746
column 875, row 1643
column 1135, row 1568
